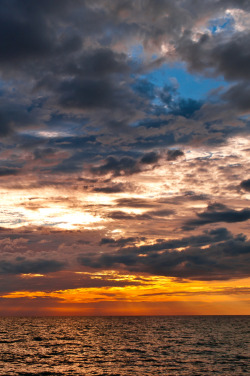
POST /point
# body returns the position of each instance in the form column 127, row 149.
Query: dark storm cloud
column 36, row 30
column 150, row 158
column 88, row 93
column 14, row 115
column 225, row 260
column 172, row 155
column 23, row 31
column 98, row 62
column 70, row 55
column 117, row 167
column 7, row 171
column 45, row 42
column 114, row 188
column 163, row 20
column 245, row 184
column 218, row 213
column 44, row 153
column 126, row 165
column 45, row 29
column 29, row 142
column 121, row 242
column 23, row 266
column 62, row 154
column 208, row 237
column 6, row 126
column 218, row 54
column 239, row 96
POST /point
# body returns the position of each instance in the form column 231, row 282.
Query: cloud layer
column 124, row 141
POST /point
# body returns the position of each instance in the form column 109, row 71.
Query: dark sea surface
column 169, row 345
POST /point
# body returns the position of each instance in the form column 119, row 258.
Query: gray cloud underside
column 69, row 54
column 224, row 257
column 245, row 184
column 23, row 265
column 213, row 255
column 218, row 213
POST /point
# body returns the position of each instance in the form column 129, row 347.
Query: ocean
column 124, row 346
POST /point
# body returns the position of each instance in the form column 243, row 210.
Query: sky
column 124, row 157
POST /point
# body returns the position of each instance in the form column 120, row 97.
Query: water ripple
column 125, row 346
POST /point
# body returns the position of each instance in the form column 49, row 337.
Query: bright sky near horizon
column 124, row 157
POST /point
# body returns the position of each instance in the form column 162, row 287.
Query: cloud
column 208, row 237
column 114, row 188
column 134, row 202
column 99, row 62
column 219, row 213
column 24, row 32
column 216, row 54
column 7, row 171
column 14, row 115
column 174, row 154
column 245, row 184
column 239, row 96
column 221, row 261
column 150, row 158
column 117, row 167
column 126, row 165
column 22, row 265
column 120, row 242
column 86, row 93
column 120, row 215
column 76, row 59
column 161, row 213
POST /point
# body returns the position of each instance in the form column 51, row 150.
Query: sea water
column 124, row 346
